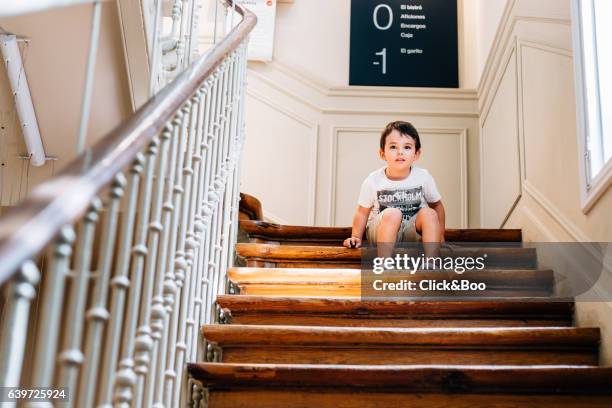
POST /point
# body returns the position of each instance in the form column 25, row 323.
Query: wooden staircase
column 294, row 332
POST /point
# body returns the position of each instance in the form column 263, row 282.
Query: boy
column 400, row 200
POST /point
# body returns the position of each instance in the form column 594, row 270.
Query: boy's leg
column 386, row 231
column 428, row 226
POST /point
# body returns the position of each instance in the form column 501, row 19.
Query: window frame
column 588, row 118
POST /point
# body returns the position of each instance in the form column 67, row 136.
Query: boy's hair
column 405, row 128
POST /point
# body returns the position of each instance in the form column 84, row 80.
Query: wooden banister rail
column 25, row 230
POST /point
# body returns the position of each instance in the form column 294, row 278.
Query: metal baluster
column 168, row 288
column 120, row 284
column 207, row 137
column 200, row 230
column 16, row 315
column 176, row 261
column 158, row 311
column 212, row 196
column 226, row 175
column 47, row 335
column 170, row 42
column 239, row 138
column 235, row 197
column 152, row 310
column 196, row 226
column 126, row 375
column 156, row 52
column 72, row 356
column 197, row 349
column 204, row 239
column 98, row 314
column 180, row 46
column 181, row 345
column 209, row 210
column 193, row 37
column 89, row 76
column 205, row 211
column 197, row 394
column 217, row 186
column 192, row 242
column 219, row 189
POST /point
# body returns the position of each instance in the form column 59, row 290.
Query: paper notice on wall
column 261, row 42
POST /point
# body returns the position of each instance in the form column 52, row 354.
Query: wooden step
column 296, row 281
column 349, row 282
column 250, row 208
column 289, row 256
column 261, row 231
column 377, row 346
column 316, row 311
column 343, row 398
column 352, row 386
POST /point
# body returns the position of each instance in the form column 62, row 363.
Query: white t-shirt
column 409, row 195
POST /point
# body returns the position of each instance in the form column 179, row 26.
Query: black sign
column 404, row 43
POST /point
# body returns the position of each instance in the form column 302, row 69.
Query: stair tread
column 525, row 306
column 343, row 253
column 298, row 251
column 425, row 337
column 266, row 230
column 355, row 312
column 555, row 379
column 319, row 276
column 344, row 282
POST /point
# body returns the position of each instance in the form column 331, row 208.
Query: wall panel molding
column 313, row 164
column 333, row 100
column 539, row 197
column 521, row 46
column 510, row 57
column 461, row 133
column 365, row 91
column 508, row 46
column 503, row 40
column 135, row 50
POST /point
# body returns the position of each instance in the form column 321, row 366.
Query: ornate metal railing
column 109, row 268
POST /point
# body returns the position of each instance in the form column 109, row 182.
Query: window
column 592, row 32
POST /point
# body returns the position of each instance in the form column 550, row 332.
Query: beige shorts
column 406, row 233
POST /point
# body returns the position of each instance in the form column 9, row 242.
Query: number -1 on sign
column 404, row 43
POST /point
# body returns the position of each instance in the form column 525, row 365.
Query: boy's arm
column 360, row 219
column 439, row 208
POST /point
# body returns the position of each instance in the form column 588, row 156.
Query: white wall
column 311, row 139
column 529, row 142
column 55, row 61
column 480, row 21
column 489, row 16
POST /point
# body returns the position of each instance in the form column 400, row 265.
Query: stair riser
column 260, row 262
column 296, row 398
column 388, row 355
column 356, row 291
column 351, row 321
column 262, row 255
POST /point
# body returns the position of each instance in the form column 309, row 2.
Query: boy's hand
column 352, row 242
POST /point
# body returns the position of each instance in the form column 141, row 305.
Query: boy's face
column 400, row 151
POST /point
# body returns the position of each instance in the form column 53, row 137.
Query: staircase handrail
column 25, row 230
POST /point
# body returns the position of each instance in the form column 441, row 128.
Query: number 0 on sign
column 404, row 43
